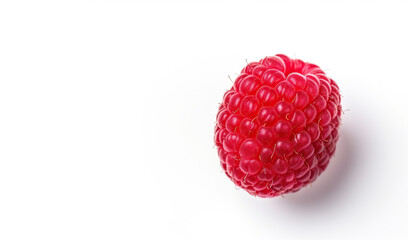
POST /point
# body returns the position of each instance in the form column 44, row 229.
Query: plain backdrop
column 107, row 111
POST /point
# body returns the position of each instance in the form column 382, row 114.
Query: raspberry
column 277, row 127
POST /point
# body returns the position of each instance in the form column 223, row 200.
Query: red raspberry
column 277, row 127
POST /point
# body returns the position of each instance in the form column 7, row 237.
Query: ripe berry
column 277, row 127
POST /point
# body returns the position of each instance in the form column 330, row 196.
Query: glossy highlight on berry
column 277, row 127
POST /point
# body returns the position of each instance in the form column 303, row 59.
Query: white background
column 107, row 111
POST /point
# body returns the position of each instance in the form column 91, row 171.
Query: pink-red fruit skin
column 277, row 127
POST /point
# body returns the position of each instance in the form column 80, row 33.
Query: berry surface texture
column 277, row 127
